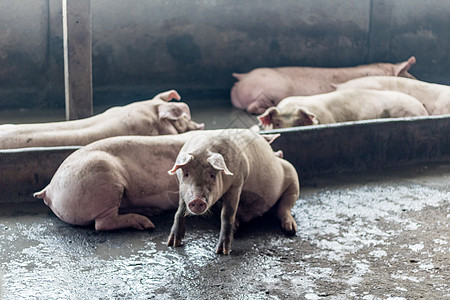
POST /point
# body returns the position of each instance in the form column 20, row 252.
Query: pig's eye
column 213, row 176
column 186, row 174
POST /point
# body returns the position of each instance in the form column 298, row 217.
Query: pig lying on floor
column 150, row 117
column 435, row 97
column 265, row 87
column 341, row 106
column 114, row 182
column 117, row 182
column 238, row 167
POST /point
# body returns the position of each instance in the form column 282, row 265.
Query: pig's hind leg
column 288, row 198
column 110, row 219
column 113, row 220
column 284, row 206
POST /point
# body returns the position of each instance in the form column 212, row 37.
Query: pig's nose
column 197, row 206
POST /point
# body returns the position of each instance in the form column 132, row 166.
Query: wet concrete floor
column 377, row 235
column 373, row 235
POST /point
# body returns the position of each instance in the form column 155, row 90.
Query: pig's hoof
column 223, row 250
column 290, row 227
column 174, row 242
column 142, row 223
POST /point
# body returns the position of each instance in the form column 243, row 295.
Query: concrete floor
column 377, row 235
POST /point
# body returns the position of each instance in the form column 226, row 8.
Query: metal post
column 77, row 58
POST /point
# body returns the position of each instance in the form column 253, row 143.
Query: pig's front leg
column 179, row 226
column 228, row 218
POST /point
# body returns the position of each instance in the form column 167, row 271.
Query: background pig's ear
column 266, row 118
column 270, row 137
column 255, row 107
column 306, row 117
column 239, row 76
column 217, row 162
column 278, row 153
column 182, row 160
column 174, row 111
column 169, row 95
column 402, row 68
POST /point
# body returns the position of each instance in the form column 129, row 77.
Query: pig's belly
column 166, row 200
column 252, row 205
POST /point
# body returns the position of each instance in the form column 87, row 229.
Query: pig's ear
column 182, row 160
column 279, row 153
column 239, row 76
column 217, row 162
column 255, row 108
column 306, row 117
column 402, row 68
column 266, row 118
column 174, row 111
column 169, row 95
column 270, row 137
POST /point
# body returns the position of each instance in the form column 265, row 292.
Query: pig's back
column 133, row 145
column 362, row 104
column 425, row 92
column 365, row 104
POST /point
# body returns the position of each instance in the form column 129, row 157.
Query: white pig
column 150, row 117
column 116, row 182
column 266, row 87
column 237, row 166
column 341, row 106
column 435, row 97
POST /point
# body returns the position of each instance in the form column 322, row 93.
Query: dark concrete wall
column 365, row 145
column 141, row 47
column 26, row 171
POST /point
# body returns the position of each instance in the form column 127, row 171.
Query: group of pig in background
column 292, row 96
column 123, row 175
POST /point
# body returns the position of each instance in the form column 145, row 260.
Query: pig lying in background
column 435, row 97
column 266, row 87
column 238, row 167
column 150, row 117
column 341, row 106
column 116, row 181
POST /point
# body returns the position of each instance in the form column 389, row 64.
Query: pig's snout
column 197, row 206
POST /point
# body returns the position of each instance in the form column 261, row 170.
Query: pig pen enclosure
column 374, row 208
